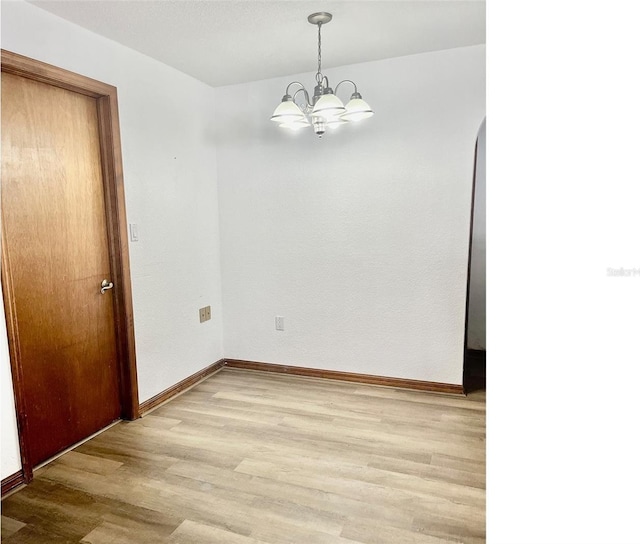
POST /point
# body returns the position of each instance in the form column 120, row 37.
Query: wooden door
column 57, row 250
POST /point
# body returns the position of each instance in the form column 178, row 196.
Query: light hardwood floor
column 248, row 457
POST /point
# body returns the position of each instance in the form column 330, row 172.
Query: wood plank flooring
column 248, row 457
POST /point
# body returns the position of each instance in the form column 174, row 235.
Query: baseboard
column 478, row 354
column 401, row 383
column 475, row 370
column 11, row 482
column 180, row 386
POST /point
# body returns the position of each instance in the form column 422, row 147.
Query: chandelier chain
column 319, row 74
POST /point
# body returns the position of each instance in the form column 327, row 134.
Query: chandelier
column 324, row 109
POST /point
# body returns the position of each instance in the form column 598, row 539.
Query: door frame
column 465, row 356
column 116, row 220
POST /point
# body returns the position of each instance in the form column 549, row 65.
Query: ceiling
column 222, row 42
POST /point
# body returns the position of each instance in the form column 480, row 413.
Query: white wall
column 360, row 240
column 477, row 328
column 10, row 458
column 169, row 156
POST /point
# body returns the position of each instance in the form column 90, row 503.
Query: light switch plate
column 279, row 323
column 133, row 232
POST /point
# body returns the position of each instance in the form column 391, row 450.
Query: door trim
column 115, row 212
column 465, row 356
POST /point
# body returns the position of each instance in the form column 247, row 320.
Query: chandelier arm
column 306, row 98
column 293, row 83
column 355, row 87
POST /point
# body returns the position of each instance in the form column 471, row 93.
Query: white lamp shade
column 356, row 110
column 328, row 107
column 287, row 112
column 335, row 123
column 295, row 125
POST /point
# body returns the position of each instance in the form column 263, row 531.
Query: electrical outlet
column 205, row 314
column 279, row 323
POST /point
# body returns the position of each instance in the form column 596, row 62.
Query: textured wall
column 360, row 240
column 169, row 156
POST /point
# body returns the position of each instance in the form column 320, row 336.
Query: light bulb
column 295, row 125
column 335, row 122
